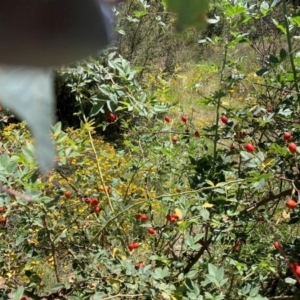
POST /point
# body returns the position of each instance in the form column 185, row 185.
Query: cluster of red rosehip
column 294, row 266
column 292, row 146
column 184, row 119
column 91, row 201
column 172, row 218
column 250, row 147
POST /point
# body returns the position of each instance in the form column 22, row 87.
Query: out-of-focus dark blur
column 52, row 33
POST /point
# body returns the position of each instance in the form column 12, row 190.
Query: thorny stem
column 97, row 160
column 53, row 250
column 216, row 135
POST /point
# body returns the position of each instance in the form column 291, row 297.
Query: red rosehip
column 291, row 204
column 23, row 298
column 94, row 201
column 112, row 117
column 130, row 246
column 236, row 247
column 237, row 243
column 138, row 216
column 87, row 200
column 3, row 220
column 249, row 147
column 232, row 147
column 139, row 265
column 171, row 218
column 2, row 209
column 175, row 139
column 260, row 219
column 144, row 217
column 292, row 147
column 97, row 209
column 201, row 242
column 167, row 119
column 184, row 118
column 296, row 269
column 151, row 230
column 135, row 245
column 68, row 194
column 224, row 119
column 277, row 245
column 287, row 136
column 175, row 216
column 197, row 134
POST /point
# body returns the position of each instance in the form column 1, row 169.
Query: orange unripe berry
column 68, row 194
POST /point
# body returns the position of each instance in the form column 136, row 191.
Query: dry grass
column 196, row 82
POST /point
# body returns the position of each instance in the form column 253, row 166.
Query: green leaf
column 58, row 286
column 254, row 292
column 233, row 10
column 282, row 54
column 18, row 293
column 160, row 273
column 273, row 59
column 264, row 8
column 140, row 14
column 212, row 270
column 290, row 280
column 96, row 296
column 279, row 26
column 261, row 72
column 98, row 107
column 204, row 213
column 295, row 20
column 56, row 129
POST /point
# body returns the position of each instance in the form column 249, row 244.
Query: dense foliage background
column 177, row 165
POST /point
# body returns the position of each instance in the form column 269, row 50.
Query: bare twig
column 14, row 193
